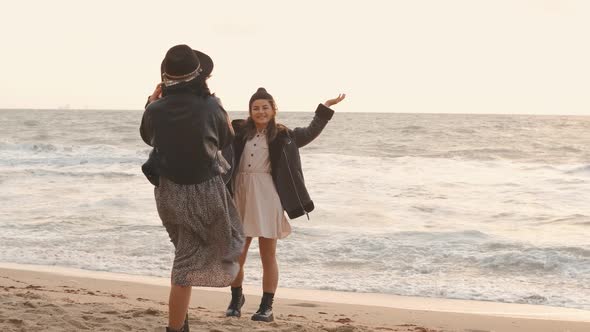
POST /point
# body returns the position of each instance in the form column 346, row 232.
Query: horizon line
column 291, row 111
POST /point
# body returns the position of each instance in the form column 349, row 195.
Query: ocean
column 482, row 207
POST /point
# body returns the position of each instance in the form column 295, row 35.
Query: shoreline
column 501, row 309
column 77, row 291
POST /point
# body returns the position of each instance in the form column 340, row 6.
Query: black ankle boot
column 237, row 302
column 184, row 328
column 264, row 313
column 171, row 330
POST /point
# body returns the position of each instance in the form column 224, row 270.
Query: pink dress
column 256, row 196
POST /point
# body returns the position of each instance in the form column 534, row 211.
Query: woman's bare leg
column 178, row 302
column 270, row 268
column 240, row 277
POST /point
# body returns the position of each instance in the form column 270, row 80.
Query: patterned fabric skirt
column 205, row 229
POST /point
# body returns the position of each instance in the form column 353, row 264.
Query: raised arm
column 323, row 114
column 157, row 94
column 145, row 129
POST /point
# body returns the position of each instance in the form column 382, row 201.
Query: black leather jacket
column 186, row 131
column 285, row 160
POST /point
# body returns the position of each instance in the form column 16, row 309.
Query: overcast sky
column 456, row 56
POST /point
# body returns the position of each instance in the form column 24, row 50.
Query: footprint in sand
column 54, row 309
column 15, row 321
column 346, row 328
column 407, row 325
column 29, row 295
column 304, row 305
column 110, row 312
column 291, row 315
column 69, row 302
column 93, row 319
column 423, row 329
column 33, row 287
column 228, row 322
column 29, row 304
column 77, row 324
column 119, row 296
column 148, row 312
column 125, row 327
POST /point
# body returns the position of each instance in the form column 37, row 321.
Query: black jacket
column 186, row 131
column 285, row 161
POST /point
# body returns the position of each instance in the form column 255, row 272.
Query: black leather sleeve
column 226, row 132
column 304, row 135
column 145, row 129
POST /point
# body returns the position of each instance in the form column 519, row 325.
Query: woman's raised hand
column 334, row 101
column 157, row 94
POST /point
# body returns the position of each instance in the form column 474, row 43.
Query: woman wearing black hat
column 187, row 127
column 267, row 183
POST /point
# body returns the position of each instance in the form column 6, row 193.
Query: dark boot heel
column 237, row 302
column 264, row 313
column 185, row 327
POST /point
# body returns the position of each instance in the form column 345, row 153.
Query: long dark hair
column 196, row 87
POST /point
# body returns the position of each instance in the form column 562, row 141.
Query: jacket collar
column 240, row 130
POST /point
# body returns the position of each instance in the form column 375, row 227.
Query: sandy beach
column 34, row 298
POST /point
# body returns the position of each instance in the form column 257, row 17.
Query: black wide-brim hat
column 183, row 64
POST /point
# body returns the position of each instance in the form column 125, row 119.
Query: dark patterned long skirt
column 205, row 229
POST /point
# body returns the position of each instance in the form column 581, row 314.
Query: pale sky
column 456, row 56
